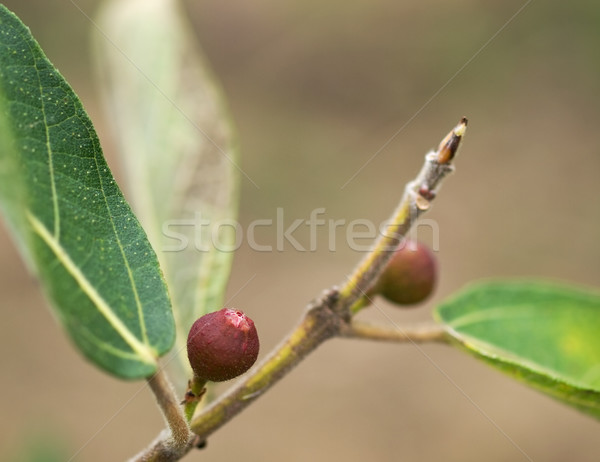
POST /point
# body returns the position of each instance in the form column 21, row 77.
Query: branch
column 418, row 333
column 417, row 198
column 330, row 316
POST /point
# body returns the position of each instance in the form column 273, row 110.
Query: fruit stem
column 362, row 302
column 193, row 395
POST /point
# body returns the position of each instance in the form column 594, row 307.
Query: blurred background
column 323, row 93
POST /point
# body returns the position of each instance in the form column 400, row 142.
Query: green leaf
column 70, row 218
column 174, row 134
column 544, row 333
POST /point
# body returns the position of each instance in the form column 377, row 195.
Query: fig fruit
column 222, row 345
column 410, row 276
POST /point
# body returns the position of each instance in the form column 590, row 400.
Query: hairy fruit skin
column 222, row 345
column 410, row 276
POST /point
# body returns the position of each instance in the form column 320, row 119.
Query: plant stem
column 171, row 409
column 417, row 198
column 331, row 315
column 419, row 333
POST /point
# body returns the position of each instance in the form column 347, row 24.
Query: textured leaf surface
column 544, row 333
column 70, row 219
column 175, row 138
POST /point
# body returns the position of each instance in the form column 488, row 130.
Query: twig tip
column 449, row 145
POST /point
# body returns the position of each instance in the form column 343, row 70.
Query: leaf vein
column 140, row 311
column 48, row 148
column 142, row 350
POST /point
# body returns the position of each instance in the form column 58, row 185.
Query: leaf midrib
column 143, row 350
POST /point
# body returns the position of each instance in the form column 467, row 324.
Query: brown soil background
column 316, row 88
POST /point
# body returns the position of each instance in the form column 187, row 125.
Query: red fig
column 222, row 345
column 410, row 276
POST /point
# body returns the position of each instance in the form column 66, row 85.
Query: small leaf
column 176, row 140
column 70, row 219
column 543, row 333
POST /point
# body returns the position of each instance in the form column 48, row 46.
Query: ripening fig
column 410, row 276
column 222, row 345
